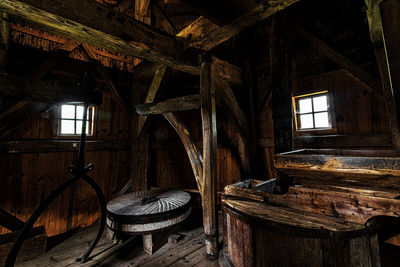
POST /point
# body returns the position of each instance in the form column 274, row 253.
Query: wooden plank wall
column 357, row 110
column 28, row 178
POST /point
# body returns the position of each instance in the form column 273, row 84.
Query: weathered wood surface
column 205, row 35
column 284, row 246
column 46, row 91
column 145, row 212
column 170, row 105
column 348, row 205
column 209, row 179
column 367, row 164
column 116, row 32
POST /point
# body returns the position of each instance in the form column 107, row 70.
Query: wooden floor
column 189, row 251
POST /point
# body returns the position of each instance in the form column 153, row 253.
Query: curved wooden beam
column 193, row 153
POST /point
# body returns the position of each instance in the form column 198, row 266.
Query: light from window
column 71, row 119
column 312, row 111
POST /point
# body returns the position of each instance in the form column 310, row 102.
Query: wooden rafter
column 151, row 94
column 189, row 102
column 110, row 85
column 204, row 34
column 371, row 82
column 226, row 94
column 377, row 38
column 166, row 23
column 193, row 153
column 105, row 28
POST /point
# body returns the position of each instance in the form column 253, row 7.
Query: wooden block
column 153, row 242
column 174, row 238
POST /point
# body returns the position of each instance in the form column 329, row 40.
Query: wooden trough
column 304, row 227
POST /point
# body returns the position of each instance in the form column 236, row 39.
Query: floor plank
column 189, row 251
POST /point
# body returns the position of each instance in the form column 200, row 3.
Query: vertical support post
column 4, row 39
column 209, row 126
column 390, row 15
column 382, row 53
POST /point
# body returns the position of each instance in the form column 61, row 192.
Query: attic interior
column 218, row 133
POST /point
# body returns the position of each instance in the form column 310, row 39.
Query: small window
column 71, row 118
column 312, row 111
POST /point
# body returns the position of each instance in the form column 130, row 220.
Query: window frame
column 330, row 111
column 58, row 119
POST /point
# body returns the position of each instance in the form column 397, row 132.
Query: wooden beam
column 163, row 19
column 376, row 33
column 390, row 14
column 227, row 95
column 209, row 181
column 142, row 11
column 151, row 94
column 51, row 92
column 48, row 64
column 193, row 153
column 145, row 69
column 205, row 35
column 4, row 31
column 4, row 39
column 9, row 221
column 44, row 146
column 110, row 85
column 102, row 27
column 324, row 49
column 189, row 102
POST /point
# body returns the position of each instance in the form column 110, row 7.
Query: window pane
column 320, row 103
column 79, row 127
column 67, row 127
column 67, row 111
column 321, row 120
column 305, row 105
column 79, row 112
column 306, row 121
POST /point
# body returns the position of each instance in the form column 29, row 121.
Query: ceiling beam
column 102, row 27
column 204, row 34
column 189, row 102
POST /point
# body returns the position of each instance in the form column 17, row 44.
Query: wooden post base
column 153, row 242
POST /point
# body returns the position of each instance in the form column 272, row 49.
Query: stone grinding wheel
column 146, row 212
